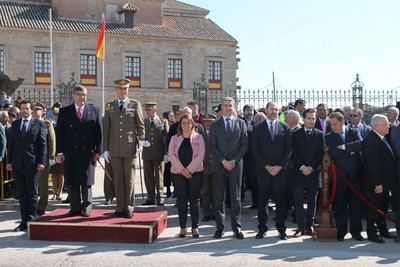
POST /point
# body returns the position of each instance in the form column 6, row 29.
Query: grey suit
column 228, row 147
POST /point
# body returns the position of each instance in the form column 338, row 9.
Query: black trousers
column 188, row 190
column 299, row 206
column 27, row 181
column 347, row 207
column 80, row 197
column 267, row 185
column 250, row 178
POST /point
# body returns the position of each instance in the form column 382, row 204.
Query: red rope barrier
column 363, row 199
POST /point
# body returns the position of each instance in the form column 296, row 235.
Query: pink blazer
column 198, row 147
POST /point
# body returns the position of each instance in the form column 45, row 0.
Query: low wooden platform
column 102, row 226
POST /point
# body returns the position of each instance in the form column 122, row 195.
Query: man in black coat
column 380, row 176
column 26, row 158
column 322, row 122
column 79, row 136
column 344, row 148
column 272, row 148
column 308, row 150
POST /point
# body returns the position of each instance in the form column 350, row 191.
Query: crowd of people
column 210, row 160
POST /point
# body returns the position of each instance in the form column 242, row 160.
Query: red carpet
column 144, row 227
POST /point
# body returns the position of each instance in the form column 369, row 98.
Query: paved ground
column 168, row 250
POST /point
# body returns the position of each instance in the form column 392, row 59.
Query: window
column 175, row 73
column 42, row 68
column 215, row 75
column 133, row 70
column 2, row 61
column 88, row 70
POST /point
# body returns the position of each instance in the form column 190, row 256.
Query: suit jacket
column 78, row 140
column 198, row 147
column 379, row 163
column 3, row 141
column 208, row 162
column 268, row 152
column 363, row 130
column 29, row 150
column 319, row 126
column 122, row 129
column 348, row 161
column 307, row 151
column 156, row 135
column 233, row 148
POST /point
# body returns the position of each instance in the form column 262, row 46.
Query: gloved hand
column 52, row 162
column 146, row 143
column 106, row 156
column 166, row 159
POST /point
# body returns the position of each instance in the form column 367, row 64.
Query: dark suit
column 25, row 152
column 228, row 148
column 363, row 129
column 379, row 169
column 348, row 163
column 318, row 125
column 274, row 152
column 308, row 150
column 78, row 140
column 249, row 177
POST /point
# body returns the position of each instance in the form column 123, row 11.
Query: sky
column 312, row 44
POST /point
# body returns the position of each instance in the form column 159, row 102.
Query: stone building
column 163, row 46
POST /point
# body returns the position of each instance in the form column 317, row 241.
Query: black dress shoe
column 340, row 238
column 21, row 227
column 261, row 234
column 308, row 231
column 358, row 237
column 238, row 235
column 72, row 213
column 129, row 215
column 40, row 212
column 86, row 214
column 107, row 202
column 388, row 235
column 376, row 239
column 159, row 203
column 253, row 207
column 282, row 236
column 148, row 203
column 218, row 234
column 298, row 232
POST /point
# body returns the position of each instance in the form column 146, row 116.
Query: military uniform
column 206, row 196
column 153, row 157
column 123, row 126
column 44, row 174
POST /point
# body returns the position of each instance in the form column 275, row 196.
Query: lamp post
column 200, row 93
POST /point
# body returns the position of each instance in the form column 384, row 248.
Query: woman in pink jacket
column 186, row 153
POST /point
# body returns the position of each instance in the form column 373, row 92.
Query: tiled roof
column 31, row 16
column 129, row 7
column 173, row 4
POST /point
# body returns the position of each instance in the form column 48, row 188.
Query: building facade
column 163, row 46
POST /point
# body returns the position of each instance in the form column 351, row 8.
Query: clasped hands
column 186, row 173
column 307, row 170
column 229, row 164
column 273, row 170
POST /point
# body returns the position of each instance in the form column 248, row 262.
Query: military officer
column 123, row 128
column 38, row 113
column 154, row 152
column 206, row 196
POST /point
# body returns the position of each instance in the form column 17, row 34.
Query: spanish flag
column 101, row 42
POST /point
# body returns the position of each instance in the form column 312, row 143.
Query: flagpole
column 51, row 59
column 102, row 80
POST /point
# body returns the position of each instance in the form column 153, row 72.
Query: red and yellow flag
column 101, row 42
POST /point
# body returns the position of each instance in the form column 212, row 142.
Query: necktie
column 78, row 113
column 151, row 123
column 308, row 132
column 24, row 126
column 121, row 105
column 228, row 127
column 272, row 130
